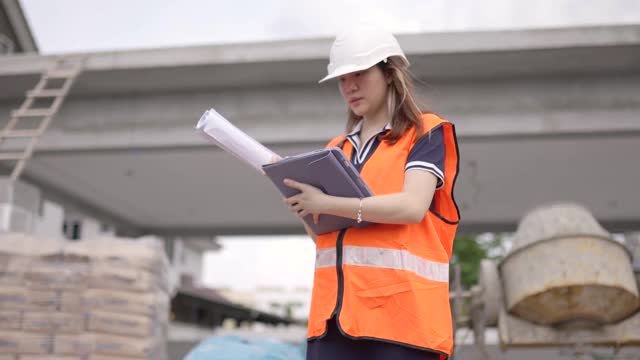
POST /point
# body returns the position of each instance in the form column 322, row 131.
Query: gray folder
column 330, row 171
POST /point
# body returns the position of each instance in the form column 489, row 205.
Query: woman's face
column 365, row 92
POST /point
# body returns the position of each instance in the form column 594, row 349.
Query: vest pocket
column 378, row 296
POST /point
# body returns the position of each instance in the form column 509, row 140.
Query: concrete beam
column 596, row 105
column 457, row 55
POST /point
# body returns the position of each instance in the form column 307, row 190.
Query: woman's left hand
column 310, row 200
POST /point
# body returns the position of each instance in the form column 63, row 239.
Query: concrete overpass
column 542, row 115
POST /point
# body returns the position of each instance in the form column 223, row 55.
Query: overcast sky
column 90, row 25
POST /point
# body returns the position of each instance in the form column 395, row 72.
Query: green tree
column 468, row 253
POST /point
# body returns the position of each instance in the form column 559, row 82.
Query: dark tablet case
column 330, row 171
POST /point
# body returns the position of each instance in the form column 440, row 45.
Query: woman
column 381, row 292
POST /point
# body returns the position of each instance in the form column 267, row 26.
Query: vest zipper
column 336, row 311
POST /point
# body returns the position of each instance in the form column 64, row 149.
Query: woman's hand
column 310, row 200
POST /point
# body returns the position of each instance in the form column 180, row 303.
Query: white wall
column 49, row 223
column 187, row 261
column 90, row 228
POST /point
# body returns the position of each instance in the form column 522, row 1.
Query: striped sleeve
column 428, row 155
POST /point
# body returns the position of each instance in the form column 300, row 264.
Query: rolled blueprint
column 233, row 140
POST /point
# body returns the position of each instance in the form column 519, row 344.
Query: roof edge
column 20, row 25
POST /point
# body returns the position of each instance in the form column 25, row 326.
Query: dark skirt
column 335, row 346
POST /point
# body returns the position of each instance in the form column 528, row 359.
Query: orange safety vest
column 390, row 282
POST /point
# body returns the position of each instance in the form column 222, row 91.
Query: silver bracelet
column 359, row 220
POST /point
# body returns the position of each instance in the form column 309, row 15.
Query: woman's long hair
column 404, row 111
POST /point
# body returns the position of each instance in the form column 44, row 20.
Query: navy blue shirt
column 336, row 346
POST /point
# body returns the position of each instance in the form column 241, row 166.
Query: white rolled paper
column 233, row 140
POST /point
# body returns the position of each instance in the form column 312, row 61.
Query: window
column 72, row 229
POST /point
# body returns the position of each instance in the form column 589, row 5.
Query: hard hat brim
column 343, row 71
column 353, row 68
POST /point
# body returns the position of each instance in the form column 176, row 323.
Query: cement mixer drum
column 565, row 270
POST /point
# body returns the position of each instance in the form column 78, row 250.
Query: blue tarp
column 230, row 347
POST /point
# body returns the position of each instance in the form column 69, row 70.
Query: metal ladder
column 66, row 69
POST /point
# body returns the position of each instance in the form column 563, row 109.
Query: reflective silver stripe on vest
column 387, row 259
column 325, row 258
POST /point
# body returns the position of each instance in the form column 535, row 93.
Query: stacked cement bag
column 101, row 299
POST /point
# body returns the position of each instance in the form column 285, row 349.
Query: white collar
column 358, row 127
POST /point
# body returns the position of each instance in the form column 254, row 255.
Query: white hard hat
column 359, row 49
